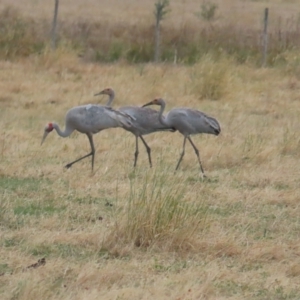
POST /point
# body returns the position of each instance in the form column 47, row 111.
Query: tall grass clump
column 157, row 215
column 18, row 36
column 208, row 11
column 290, row 60
column 210, row 77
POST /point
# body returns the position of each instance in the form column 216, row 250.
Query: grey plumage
column 187, row 121
column 89, row 119
column 145, row 121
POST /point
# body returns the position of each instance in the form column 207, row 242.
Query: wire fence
column 99, row 41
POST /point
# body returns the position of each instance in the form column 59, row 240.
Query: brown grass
column 245, row 245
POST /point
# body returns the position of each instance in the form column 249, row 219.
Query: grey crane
column 145, row 121
column 187, row 121
column 89, row 119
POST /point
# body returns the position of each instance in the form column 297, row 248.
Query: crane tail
column 124, row 120
column 214, row 125
column 121, row 113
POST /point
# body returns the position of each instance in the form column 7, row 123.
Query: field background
column 120, row 233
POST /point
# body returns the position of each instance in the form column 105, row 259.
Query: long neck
column 110, row 99
column 160, row 116
column 68, row 130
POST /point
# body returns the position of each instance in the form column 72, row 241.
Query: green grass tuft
column 157, row 214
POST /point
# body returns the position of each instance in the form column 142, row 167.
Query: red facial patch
column 50, row 127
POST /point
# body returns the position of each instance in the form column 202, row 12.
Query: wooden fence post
column 157, row 41
column 265, row 38
column 54, row 25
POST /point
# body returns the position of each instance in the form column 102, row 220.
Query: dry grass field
column 150, row 233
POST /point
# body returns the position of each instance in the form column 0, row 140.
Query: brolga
column 145, row 121
column 187, row 121
column 89, row 119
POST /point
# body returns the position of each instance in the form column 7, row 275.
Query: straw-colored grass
column 149, row 232
column 120, row 233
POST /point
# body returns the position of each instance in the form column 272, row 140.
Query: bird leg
column 148, row 150
column 90, row 136
column 136, row 154
column 182, row 154
column 198, row 156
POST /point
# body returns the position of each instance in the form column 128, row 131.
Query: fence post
column 265, row 38
column 54, row 25
column 157, row 41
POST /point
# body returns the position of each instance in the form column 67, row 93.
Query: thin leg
column 198, row 156
column 148, row 150
column 136, row 154
column 182, row 154
column 90, row 136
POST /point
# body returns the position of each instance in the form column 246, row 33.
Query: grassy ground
column 245, row 244
column 120, row 233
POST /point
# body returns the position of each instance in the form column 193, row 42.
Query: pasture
column 150, row 233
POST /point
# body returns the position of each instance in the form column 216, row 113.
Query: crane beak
column 44, row 136
column 100, row 93
column 147, row 104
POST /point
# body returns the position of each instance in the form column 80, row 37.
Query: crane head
column 107, row 91
column 48, row 129
column 156, row 101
